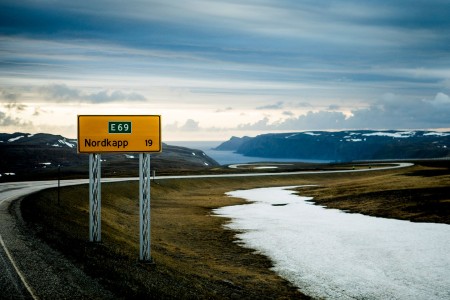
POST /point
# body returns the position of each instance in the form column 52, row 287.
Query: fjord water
column 230, row 157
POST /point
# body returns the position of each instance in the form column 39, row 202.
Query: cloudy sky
column 213, row 69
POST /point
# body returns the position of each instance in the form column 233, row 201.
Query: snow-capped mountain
column 344, row 145
column 23, row 154
column 39, row 139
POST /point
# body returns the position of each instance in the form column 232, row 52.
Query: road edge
column 46, row 271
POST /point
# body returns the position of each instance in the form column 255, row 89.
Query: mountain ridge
column 24, row 154
column 347, row 145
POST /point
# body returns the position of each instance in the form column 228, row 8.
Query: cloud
column 15, row 106
column 8, row 121
column 314, row 120
column 288, row 113
column 394, row 111
column 62, row 92
column 38, row 111
column 333, row 107
column 303, row 104
column 262, row 124
column 441, row 99
column 390, row 112
column 278, row 105
column 8, row 95
column 106, row 96
column 224, row 110
column 189, row 125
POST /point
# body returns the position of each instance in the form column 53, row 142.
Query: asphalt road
column 26, row 273
column 12, row 283
column 23, row 267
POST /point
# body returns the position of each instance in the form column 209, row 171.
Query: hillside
column 194, row 256
column 344, row 145
column 23, row 155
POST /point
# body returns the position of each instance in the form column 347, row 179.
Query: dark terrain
column 38, row 156
column 344, row 146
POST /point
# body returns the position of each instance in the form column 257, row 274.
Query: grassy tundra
column 195, row 257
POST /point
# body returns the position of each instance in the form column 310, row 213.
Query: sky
column 213, row 69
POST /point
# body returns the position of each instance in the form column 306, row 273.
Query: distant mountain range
column 25, row 155
column 344, row 145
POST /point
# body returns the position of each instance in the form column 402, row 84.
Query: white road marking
column 19, row 273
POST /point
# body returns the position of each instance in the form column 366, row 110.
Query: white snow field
column 331, row 254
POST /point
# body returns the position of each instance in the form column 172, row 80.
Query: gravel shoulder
column 48, row 274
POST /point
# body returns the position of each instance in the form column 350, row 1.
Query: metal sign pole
column 59, row 181
column 144, row 207
column 95, row 229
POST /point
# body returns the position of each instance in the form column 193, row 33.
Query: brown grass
column 419, row 194
column 195, row 257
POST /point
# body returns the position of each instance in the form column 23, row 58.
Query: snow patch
column 265, row 167
column 437, row 133
column 311, row 133
column 330, row 254
column 16, row 138
column 64, row 142
column 400, row 134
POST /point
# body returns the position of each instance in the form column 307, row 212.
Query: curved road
column 17, row 277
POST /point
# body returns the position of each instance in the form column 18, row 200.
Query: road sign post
column 144, row 207
column 95, row 229
column 120, row 134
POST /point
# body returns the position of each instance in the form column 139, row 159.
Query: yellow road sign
column 119, row 133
